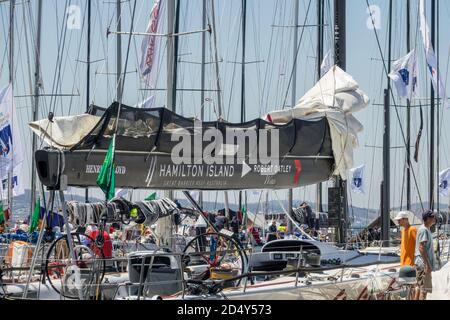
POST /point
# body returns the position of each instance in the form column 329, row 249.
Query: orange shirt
column 408, row 246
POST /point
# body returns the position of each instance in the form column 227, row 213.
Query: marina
column 195, row 150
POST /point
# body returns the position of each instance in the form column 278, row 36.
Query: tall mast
column 320, row 28
column 293, row 95
column 170, row 55
column 408, row 113
column 219, row 95
column 340, row 58
column 37, row 84
column 432, row 113
column 11, row 81
column 244, row 25
column 119, row 51
column 88, row 74
column 386, row 185
column 202, row 80
column 216, row 61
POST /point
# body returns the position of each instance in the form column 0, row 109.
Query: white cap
column 403, row 215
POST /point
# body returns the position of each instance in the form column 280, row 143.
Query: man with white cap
column 408, row 242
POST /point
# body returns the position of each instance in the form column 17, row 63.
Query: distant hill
column 359, row 217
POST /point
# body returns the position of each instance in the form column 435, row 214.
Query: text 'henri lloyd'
column 94, row 168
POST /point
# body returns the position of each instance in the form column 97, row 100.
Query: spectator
column 272, row 233
column 408, row 240
column 425, row 260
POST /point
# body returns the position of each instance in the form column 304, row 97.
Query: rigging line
column 234, row 66
column 124, row 75
column 393, row 100
column 268, row 65
column 296, row 56
column 60, row 53
column 77, row 59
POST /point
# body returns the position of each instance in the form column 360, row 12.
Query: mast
column 320, row 30
column 408, row 113
column 119, row 51
column 37, row 84
column 244, row 25
column 88, row 74
column 340, row 58
column 386, row 184
column 11, row 81
column 432, row 113
column 293, row 96
column 219, row 96
column 203, row 69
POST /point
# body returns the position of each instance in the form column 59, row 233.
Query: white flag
column 195, row 195
column 147, row 103
column 404, row 75
column 150, row 46
column 17, row 183
column 122, row 193
column 11, row 152
column 357, row 183
column 327, row 63
column 433, row 72
column 444, row 180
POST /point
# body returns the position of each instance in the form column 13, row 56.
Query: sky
column 269, row 56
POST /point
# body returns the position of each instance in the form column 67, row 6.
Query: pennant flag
column 11, row 154
column 106, row 176
column 404, row 75
column 432, row 64
column 444, row 180
column 34, row 221
column 327, row 63
column 151, row 197
column 357, row 183
column 150, row 46
column 147, row 103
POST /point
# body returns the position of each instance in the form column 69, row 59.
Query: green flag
column 35, row 217
column 151, row 197
column 2, row 214
column 244, row 215
column 106, row 176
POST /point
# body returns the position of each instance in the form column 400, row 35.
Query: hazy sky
column 268, row 46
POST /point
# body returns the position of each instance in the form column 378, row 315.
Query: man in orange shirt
column 408, row 242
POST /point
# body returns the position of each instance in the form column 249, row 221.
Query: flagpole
column 37, row 84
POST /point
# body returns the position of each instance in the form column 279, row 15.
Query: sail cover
column 159, row 149
column 336, row 96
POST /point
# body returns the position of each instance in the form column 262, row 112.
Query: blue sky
column 266, row 82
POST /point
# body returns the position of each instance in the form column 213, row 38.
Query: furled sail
column 337, row 97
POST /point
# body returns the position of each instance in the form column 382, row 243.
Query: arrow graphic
column 245, row 169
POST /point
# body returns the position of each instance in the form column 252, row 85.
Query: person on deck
column 408, row 240
column 272, row 233
column 425, row 260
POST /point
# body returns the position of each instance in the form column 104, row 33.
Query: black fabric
column 151, row 129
